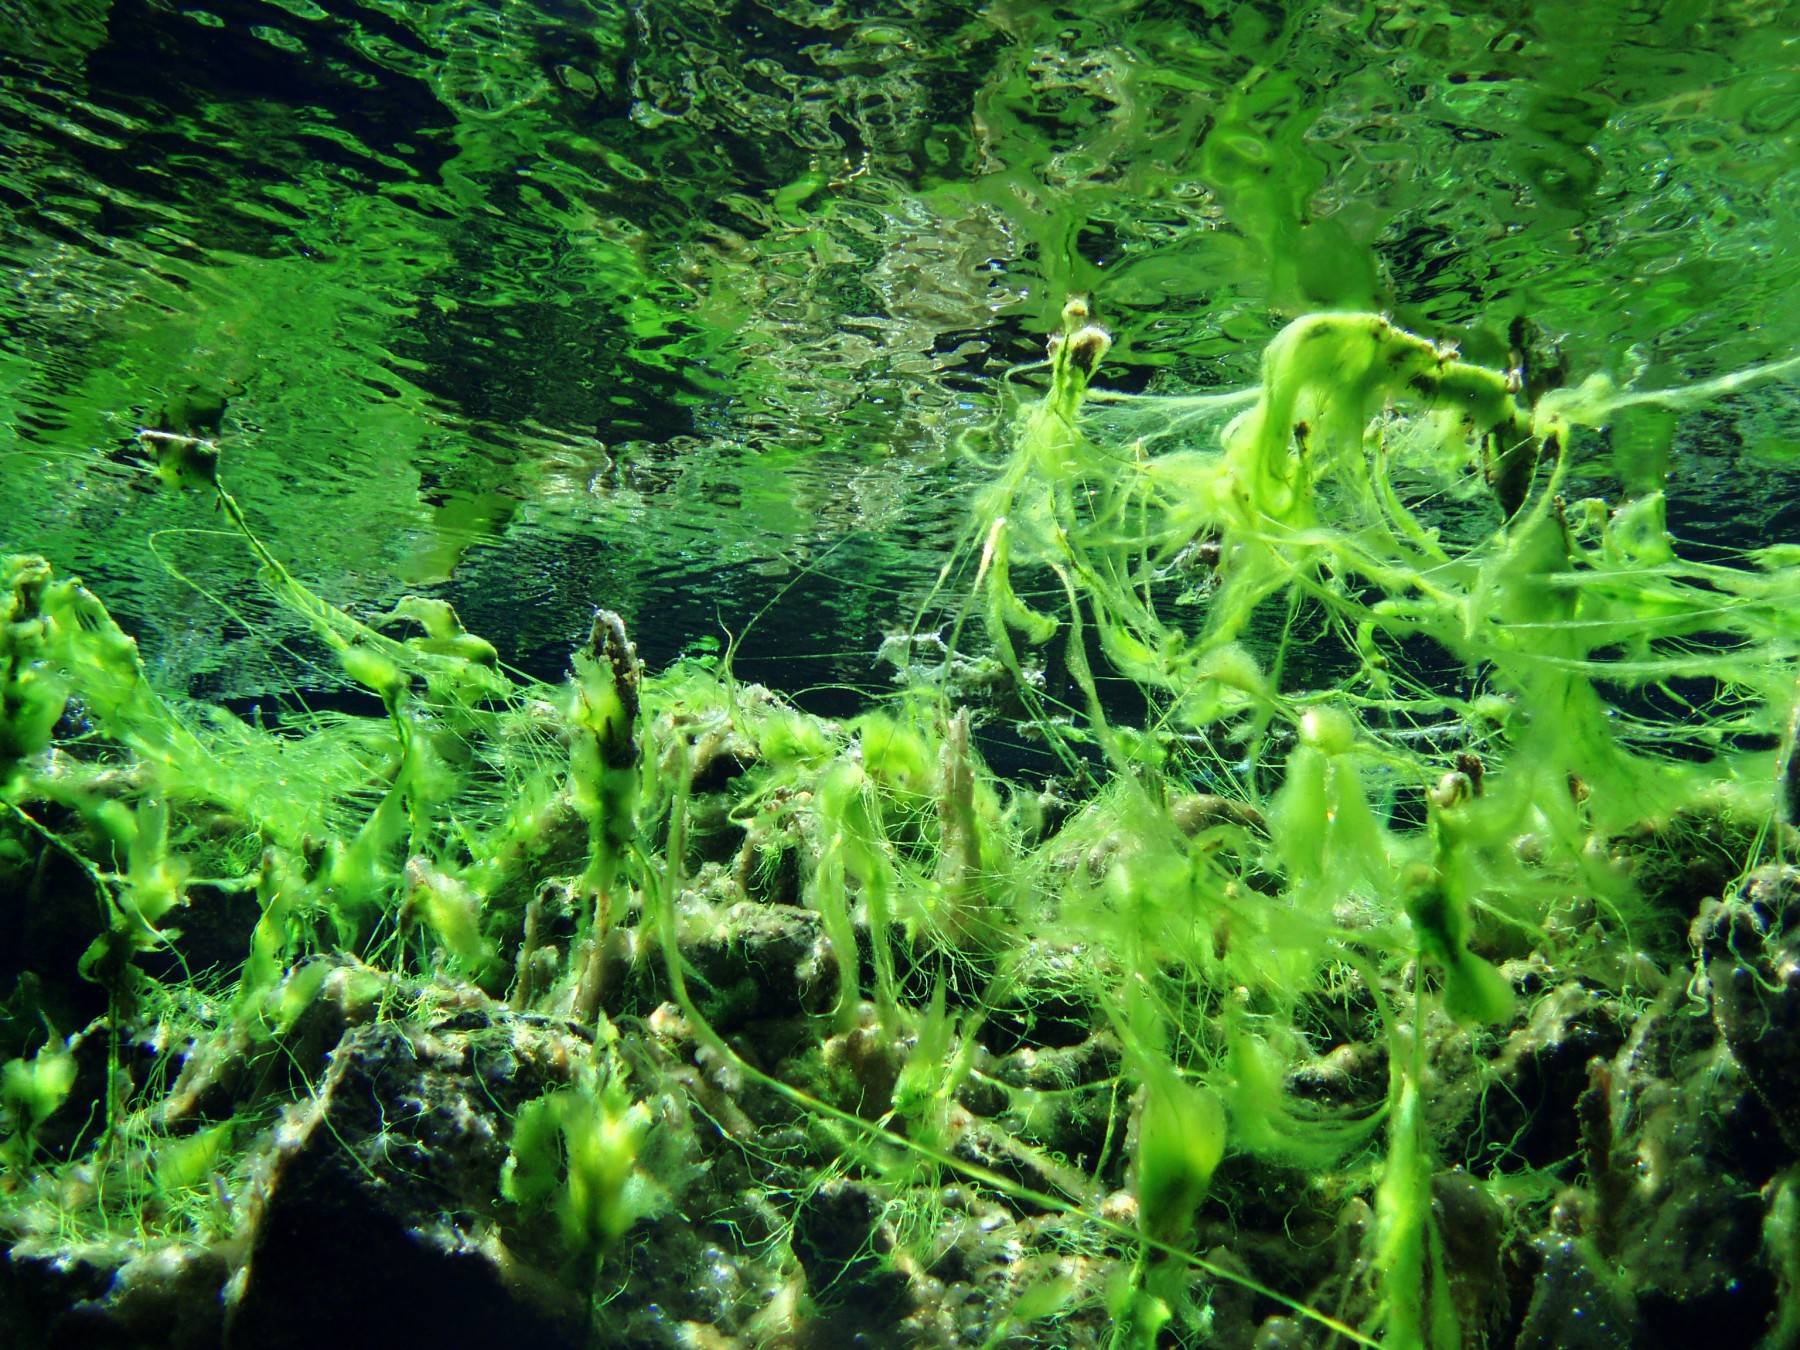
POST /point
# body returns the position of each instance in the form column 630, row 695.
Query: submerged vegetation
column 1397, row 794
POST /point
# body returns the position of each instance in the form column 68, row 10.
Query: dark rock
column 1281, row 1333
column 841, row 1241
column 1674, row 1203
column 1679, row 863
column 378, row 1219
column 746, row 963
column 1471, row 1226
column 242, row 1061
column 762, row 962
column 1527, row 1105
column 1058, row 1097
column 770, row 874
column 713, row 834
column 117, row 1296
column 1351, row 1077
column 40, row 1285
column 1749, row 947
column 1045, row 1020
column 1575, row 1303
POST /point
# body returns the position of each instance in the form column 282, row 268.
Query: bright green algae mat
column 1351, row 452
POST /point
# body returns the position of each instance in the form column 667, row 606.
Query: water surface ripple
column 687, row 308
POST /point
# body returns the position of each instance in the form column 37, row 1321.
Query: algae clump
column 1381, row 781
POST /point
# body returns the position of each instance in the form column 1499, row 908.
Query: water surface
column 704, row 311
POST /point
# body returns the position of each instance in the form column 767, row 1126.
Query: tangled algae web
column 1497, row 696
column 1383, row 747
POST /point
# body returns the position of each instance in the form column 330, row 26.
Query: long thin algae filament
column 1367, row 762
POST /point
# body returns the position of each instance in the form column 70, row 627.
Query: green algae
column 1363, row 735
column 1263, row 867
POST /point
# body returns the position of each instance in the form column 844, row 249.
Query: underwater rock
column 1350, row 1076
column 1681, row 862
column 1526, row 1108
column 749, row 962
column 377, row 1214
column 107, row 1297
column 1749, row 947
column 1473, row 1227
column 1057, row 1096
column 1677, row 1148
column 946, row 1269
column 1575, row 1303
column 380, row 1213
column 234, row 1067
column 842, row 1242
